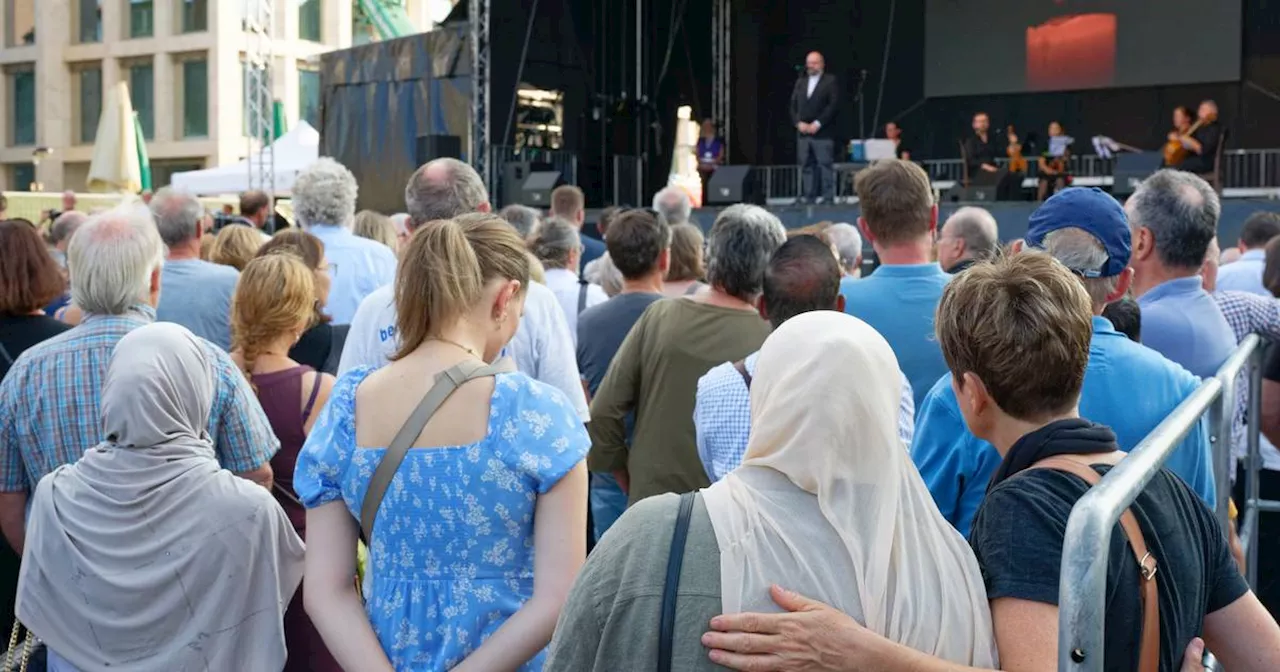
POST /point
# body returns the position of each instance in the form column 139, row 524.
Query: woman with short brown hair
column 29, row 280
column 687, row 262
column 321, row 344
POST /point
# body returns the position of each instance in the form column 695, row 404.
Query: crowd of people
column 454, row 438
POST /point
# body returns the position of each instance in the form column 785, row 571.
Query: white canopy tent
column 294, row 152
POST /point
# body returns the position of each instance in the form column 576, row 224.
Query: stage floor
column 1011, row 216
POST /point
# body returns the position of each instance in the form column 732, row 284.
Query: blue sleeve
column 543, row 438
column 954, row 464
column 326, row 455
column 1192, row 461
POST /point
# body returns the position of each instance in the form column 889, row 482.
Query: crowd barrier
column 1083, row 581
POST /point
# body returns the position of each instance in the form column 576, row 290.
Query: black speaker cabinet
column 438, row 147
column 537, row 188
column 732, row 184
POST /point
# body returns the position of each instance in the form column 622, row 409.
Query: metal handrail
column 1087, row 541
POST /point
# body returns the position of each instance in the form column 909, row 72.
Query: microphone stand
column 862, row 112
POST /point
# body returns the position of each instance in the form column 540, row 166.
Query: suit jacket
column 820, row 107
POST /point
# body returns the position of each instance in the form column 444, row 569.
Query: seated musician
column 893, row 132
column 1200, row 140
column 1052, row 163
column 980, row 157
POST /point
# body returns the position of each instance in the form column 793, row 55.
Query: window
column 21, row 15
column 195, row 16
column 309, row 96
column 142, row 93
column 89, row 20
column 162, row 170
column 309, row 14
column 22, row 94
column 21, row 175
column 89, row 94
column 142, row 18
column 195, row 97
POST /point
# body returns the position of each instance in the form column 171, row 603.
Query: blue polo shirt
column 899, row 302
column 1184, row 323
column 1245, row 274
column 1128, row 387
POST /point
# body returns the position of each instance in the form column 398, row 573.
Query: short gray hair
column 522, row 218
column 556, row 241
column 1081, row 252
column 65, row 226
column 977, row 228
column 739, row 246
column 673, row 204
column 177, row 215
column 325, row 195
column 848, row 243
column 443, row 189
column 1181, row 210
column 111, row 258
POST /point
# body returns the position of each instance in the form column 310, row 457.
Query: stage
column 1011, row 216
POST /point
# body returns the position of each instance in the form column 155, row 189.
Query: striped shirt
column 49, row 403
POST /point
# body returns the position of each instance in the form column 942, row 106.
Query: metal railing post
column 1253, row 465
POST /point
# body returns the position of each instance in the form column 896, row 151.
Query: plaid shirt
column 1247, row 314
column 49, row 403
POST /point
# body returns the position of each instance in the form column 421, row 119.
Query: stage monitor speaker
column 730, row 185
column 1131, row 168
column 432, row 147
column 982, row 193
column 513, row 176
column 537, row 188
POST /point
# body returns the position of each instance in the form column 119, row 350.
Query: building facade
column 184, row 62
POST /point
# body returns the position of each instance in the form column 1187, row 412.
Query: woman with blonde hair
column 474, row 515
column 320, row 346
column 234, row 246
column 687, row 265
column 377, row 227
column 273, row 304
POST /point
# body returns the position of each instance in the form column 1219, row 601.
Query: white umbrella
column 115, row 166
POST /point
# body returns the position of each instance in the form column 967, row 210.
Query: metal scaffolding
column 259, row 22
column 721, row 80
column 478, row 14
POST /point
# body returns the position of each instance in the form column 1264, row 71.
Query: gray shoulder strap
column 446, row 383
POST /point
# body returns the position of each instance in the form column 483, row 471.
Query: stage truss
column 259, row 22
column 721, row 80
column 478, row 15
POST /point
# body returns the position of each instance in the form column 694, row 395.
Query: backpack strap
column 446, row 383
column 582, row 295
column 675, row 561
column 741, row 367
column 1149, row 653
column 311, row 400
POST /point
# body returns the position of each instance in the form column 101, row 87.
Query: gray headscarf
column 145, row 554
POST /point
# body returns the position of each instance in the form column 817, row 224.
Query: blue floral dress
column 452, row 552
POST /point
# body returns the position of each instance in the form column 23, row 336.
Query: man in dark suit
column 569, row 203
column 813, row 109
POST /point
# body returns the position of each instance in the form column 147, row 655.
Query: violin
column 1174, row 151
column 1017, row 162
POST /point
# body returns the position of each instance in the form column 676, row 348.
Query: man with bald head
column 814, row 103
column 967, row 237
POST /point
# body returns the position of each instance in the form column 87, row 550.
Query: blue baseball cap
column 1092, row 210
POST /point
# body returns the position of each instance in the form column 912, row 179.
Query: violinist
column 1193, row 147
column 1052, row 163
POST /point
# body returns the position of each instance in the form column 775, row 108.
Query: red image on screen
column 1072, row 52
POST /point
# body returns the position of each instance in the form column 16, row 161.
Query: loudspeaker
column 438, row 147
column 537, row 188
column 978, row 193
column 513, row 176
column 732, row 184
column 1131, row 168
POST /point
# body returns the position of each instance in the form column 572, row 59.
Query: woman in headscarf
column 826, row 503
column 145, row 554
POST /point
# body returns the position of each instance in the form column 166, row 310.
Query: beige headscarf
column 828, row 503
column 145, row 554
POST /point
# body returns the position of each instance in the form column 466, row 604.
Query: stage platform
column 1011, row 216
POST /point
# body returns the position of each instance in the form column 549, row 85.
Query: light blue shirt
column 722, row 417
column 899, row 302
column 1128, row 387
column 197, row 295
column 1182, row 322
column 1245, row 274
column 357, row 265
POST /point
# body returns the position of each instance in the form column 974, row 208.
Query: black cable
column 884, row 67
column 677, row 21
column 524, row 53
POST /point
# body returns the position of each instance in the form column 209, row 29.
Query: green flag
column 279, row 125
column 144, row 161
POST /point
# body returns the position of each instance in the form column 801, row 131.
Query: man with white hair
column 197, row 294
column 848, row 244
column 673, row 204
column 49, row 402
column 968, row 236
column 542, row 347
column 324, row 202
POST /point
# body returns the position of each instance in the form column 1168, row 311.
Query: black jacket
column 820, row 107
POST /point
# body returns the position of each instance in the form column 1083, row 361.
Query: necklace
column 455, row 344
